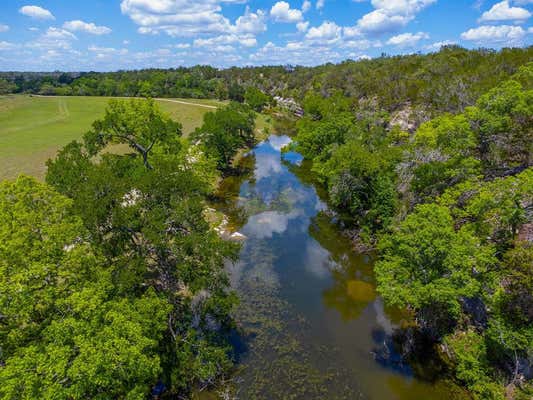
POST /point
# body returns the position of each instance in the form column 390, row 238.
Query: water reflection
column 312, row 322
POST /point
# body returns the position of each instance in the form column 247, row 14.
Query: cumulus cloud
column 179, row 17
column 504, row 12
column 320, row 4
column 36, row 12
column 306, row 6
column 402, row 7
column 379, row 21
column 390, row 15
column 407, row 39
column 87, row 27
column 218, row 41
column 54, row 39
column 251, row 22
column 302, row 26
column 502, row 34
column 4, row 28
column 282, row 12
column 327, row 31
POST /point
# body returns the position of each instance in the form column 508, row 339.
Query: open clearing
column 32, row 129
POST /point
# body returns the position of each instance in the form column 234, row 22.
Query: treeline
column 112, row 282
column 448, row 80
column 449, row 207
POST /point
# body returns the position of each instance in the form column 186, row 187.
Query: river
column 311, row 323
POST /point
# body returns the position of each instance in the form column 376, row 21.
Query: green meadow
column 33, row 128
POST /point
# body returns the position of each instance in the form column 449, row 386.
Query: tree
column 517, row 300
column 65, row 333
column 256, row 99
column 225, row 131
column 236, row 92
column 149, row 223
column 138, row 123
column 502, row 119
column 429, row 267
column 6, row 87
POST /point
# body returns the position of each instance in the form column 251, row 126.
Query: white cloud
column 302, row 26
column 251, row 22
column 282, row 12
column 380, row 22
column 300, row 52
column 36, row 12
column 218, row 41
column 362, row 44
column 327, row 31
column 53, row 38
column 503, row 34
column 6, row 45
column 107, row 50
column 504, row 12
column 306, row 6
column 320, row 4
column 58, row 34
column 402, row 7
column 407, row 39
column 390, row 15
column 178, row 18
column 88, row 27
column 4, row 28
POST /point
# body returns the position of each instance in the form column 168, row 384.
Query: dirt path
column 156, row 98
column 185, row 102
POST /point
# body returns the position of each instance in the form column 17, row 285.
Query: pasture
column 33, row 128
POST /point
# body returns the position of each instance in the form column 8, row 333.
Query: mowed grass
column 33, row 129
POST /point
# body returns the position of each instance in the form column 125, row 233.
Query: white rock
column 237, row 236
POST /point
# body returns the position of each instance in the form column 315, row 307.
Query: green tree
column 7, row 87
column 65, row 334
column 429, row 266
column 138, row 123
column 236, row 92
column 256, row 99
column 149, row 223
column 502, row 119
column 225, row 131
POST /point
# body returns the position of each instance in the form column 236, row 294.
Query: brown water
column 311, row 323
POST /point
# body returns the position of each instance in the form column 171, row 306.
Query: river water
column 311, row 325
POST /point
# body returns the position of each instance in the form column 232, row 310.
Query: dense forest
column 113, row 282
column 447, row 80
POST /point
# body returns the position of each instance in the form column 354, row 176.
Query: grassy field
column 32, row 129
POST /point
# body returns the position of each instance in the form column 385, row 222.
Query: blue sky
column 105, row 35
